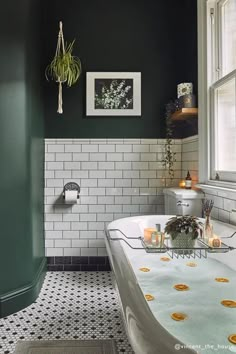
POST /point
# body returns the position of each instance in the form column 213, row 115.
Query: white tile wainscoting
column 224, row 205
column 224, row 201
column 118, row 178
column 190, row 158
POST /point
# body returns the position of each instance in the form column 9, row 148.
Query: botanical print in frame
column 113, row 94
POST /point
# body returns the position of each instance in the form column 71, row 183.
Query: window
column 224, row 141
column 221, row 89
column 227, row 17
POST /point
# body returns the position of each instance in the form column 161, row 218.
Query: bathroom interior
column 89, row 186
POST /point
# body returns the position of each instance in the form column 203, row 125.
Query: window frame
column 227, row 176
column 210, row 77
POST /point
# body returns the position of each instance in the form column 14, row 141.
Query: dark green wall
column 186, row 60
column 21, row 156
column 157, row 38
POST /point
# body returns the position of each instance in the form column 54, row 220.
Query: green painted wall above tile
column 156, row 38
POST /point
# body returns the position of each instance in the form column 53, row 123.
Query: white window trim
column 223, row 174
column 204, row 76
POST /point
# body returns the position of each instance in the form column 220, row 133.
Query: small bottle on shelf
column 188, row 181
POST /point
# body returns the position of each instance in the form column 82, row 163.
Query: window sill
column 219, row 188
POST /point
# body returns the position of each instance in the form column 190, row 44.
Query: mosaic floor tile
column 71, row 305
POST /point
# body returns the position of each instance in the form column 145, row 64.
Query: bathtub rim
column 113, row 224
column 172, row 340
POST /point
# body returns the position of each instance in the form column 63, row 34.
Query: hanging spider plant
column 65, row 67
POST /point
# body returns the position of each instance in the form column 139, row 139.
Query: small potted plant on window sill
column 183, row 232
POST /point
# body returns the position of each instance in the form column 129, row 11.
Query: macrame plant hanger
column 60, row 50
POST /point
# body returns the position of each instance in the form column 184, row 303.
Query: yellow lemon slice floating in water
column 144, row 269
column 228, row 303
column 222, row 280
column 181, row 287
column 232, row 338
column 178, row 316
column 165, row 259
column 149, row 297
column 191, row 264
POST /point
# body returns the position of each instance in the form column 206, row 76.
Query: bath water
column 208, row 322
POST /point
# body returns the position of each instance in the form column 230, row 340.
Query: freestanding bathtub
column 149, row 325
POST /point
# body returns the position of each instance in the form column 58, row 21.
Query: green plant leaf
column 64, row 67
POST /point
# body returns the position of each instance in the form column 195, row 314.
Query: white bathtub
column 149, row 325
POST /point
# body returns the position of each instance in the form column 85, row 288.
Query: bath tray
column 199, row 251
column 150, row 248
column 222, row 249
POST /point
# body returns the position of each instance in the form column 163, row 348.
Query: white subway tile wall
column 190, row 158
column 118, row 178
column 224, row 202
column 224, row 205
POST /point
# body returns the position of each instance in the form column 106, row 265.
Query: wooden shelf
column 184, row 113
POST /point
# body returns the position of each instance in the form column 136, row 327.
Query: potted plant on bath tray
column 183, row 232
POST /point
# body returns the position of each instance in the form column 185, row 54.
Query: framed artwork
column 113, row 94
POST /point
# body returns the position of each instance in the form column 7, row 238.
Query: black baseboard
column 94, row 264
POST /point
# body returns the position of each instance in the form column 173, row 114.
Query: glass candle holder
column 214, row 242
column 148, row 234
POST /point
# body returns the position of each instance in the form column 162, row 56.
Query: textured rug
column 66, row 347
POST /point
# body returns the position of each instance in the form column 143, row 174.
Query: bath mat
column 66, row 347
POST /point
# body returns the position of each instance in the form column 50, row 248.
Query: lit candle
column 210, row 241
column 182, row 184
column 148, row 234
column 214, row 241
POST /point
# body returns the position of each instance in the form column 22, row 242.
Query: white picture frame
column 113, row 94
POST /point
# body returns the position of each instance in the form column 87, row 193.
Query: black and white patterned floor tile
column 71, row 305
